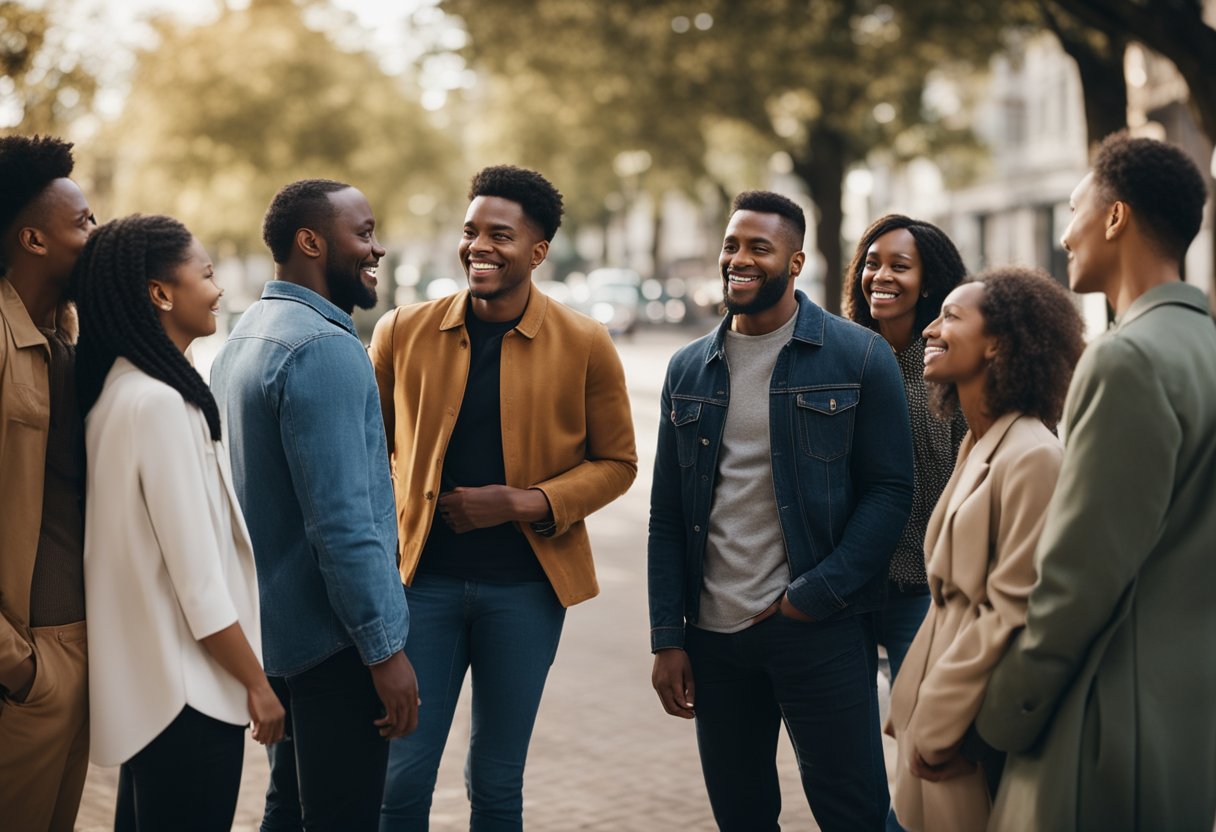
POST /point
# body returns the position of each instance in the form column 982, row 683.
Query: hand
column 397, row 687
column 465, row 509
column 954, row 767
column 267, row 714
column 673, row 682
column 790, row 611
column 22, row 680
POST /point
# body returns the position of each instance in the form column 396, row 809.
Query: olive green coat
column 1107, row 699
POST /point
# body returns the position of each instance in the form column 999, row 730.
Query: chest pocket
column 27, row 406
column 825, row 421
column 686, row 417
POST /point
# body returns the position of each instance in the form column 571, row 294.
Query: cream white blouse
column 167, row 561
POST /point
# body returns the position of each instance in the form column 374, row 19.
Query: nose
column 932, row 330
column 377, row 249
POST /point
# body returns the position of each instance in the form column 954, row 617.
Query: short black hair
column 302, row 204
column 27, row 166
column 768, row 202
column 941, row 270
column 542, row 203
column 1161, row 184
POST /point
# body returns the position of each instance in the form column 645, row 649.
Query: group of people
column 327, row 539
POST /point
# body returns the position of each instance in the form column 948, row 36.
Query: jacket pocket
column 25, row 405
column 825, row 421
column 686, row 417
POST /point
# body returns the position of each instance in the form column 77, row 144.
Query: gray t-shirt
column 746, row 568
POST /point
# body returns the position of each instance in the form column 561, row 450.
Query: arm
column 381, row 353
column 953, row 688
column 1114, row 491
column 231, row 650
column 881, row 469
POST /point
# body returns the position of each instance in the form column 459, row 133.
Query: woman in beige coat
column 1002, row 350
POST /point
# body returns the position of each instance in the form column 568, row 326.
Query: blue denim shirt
column 842, row 468
column 310, row 467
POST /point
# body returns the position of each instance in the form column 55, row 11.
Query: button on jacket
column 842, row 468
column 566, row 424
column 307, row 446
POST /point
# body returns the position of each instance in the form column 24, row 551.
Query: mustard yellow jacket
column 566, row 423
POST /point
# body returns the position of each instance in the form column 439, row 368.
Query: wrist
column 532, row 506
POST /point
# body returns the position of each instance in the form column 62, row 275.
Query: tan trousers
column 44, row 741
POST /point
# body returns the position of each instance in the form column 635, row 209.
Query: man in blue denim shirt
column 780, row 491
column 311, row 472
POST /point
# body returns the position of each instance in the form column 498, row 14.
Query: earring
column 925, row 294
column 166, row 306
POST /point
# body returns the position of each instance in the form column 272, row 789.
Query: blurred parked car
column 614, row 299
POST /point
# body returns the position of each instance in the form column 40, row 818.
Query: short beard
column 347, row 291
column 770, row 295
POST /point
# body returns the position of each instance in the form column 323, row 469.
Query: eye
column 728, row 247
column 468, row 233
column 501, row 236
column 871, row 264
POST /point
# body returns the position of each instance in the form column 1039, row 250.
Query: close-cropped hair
column 302, row 204
column 941, row 269
column 1161, row 184
column 117, row 318
column 541, row 202
column 768, row 202
column 1039, row 337
column 27, row 166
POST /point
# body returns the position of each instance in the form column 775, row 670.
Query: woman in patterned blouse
column 900, row 274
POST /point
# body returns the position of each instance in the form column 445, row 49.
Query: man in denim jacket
column 780, row 490
column 311, row 472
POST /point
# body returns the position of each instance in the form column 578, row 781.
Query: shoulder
column 418, row 313
column 692, row 354
column 1030, row 449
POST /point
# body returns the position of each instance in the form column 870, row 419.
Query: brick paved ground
column 604, row 756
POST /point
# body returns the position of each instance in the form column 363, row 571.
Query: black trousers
column 329, row 772
column 186, row 779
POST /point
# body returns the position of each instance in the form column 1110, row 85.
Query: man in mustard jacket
column 44, row 733
column 508, row 423
column 1106, row 699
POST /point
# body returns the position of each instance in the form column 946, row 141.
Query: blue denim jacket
column 842, row 469
column 310, row 467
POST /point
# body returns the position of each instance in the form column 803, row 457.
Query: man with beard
column 508, row 421
column 44, row 730
column 307, row 447
column 782, row 482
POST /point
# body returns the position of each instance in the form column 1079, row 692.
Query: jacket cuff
column 373, row 643
column 663, row 638
column 811, row 594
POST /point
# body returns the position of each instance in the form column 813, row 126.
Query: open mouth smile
column 483, row 266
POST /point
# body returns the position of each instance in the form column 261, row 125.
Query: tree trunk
column 822, row 168
column 656, row 242
column 1099, row 59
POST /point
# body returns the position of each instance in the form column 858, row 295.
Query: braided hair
column 941, row 270
column 110, row 283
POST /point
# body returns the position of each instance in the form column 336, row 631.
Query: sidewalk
column 604, row 755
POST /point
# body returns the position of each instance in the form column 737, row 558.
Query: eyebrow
column 731, row 238
column 495, row 227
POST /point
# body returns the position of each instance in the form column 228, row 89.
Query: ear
column 797, row 262
column 31, row 240
column 991, row 347
column 310, row 243
column 539, row 252
column 1118, row 219
column 161, row 294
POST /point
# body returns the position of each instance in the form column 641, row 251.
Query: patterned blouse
column 935, row 447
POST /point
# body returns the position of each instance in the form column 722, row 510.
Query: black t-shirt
column 474, row 458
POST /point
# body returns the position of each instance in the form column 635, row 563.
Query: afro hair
column 535, row 194
column 27, row 166
column 768, row 202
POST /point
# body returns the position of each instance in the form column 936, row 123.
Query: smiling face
column 1091, row 257
column 758, row 260
column 352, row 251
column 188, row 301
column 957, row 347
column 891, row 278
column 499, row 248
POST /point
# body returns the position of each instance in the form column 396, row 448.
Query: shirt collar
column 1177, row 292
column 812, row 321
column 529, row 324
column 285, row 290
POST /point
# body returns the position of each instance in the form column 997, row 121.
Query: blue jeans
column 508, row 635
column 820, row 680
column 898, row 622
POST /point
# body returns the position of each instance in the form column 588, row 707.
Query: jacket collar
column 25, row 332
column 529, row 324
column 809, row 329
column 1176, row 293
column 285, row 290
column 976, row 455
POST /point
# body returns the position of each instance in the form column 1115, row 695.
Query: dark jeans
column 329, row 773
column 508, row 635
column 187, row 778
column 820, row 679
column 898, row 622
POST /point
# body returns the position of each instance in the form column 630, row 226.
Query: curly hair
column 117, row 318
column 27, row 166
column 1161, row 184
column 302, row 204
column 768, row 202
column 941, row 269
column 542, row 203
column 1039, row 340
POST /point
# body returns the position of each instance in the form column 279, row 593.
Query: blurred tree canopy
column 221, row 116
column 826, row 81
column 43, row 85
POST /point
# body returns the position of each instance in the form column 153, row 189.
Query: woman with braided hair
column 169, row 574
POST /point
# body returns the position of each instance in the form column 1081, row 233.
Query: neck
column 313, row 279
column 506, row 307
column 975, row 409
column 39, row 295
column 1137, row 275
column 771, row 319
column 899, row 333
